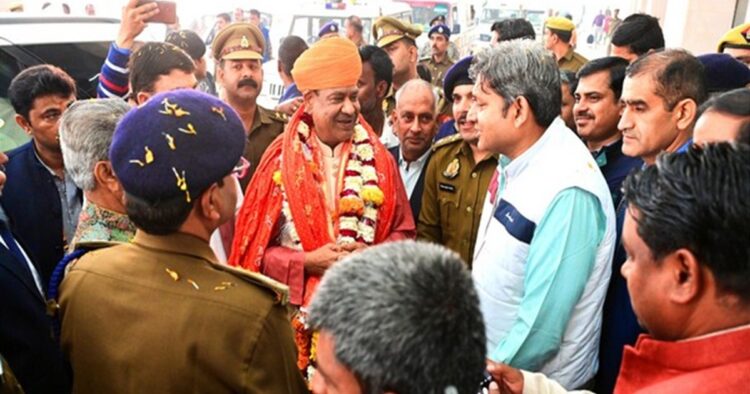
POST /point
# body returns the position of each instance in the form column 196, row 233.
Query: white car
column 77, row 44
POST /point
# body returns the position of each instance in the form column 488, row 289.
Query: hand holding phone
column 133, row 21
column 167, row 12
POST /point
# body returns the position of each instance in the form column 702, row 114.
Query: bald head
column 415, row 120
column 416, row 88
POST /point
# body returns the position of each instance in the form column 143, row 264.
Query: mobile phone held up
column 167, row 12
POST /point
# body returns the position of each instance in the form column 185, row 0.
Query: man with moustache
column 547, row 230
column 438, row 62
column 457, row 175
column 239, row 51
column 160, row 313
column 597, row 110
column 326, row 188
column 686, row 236
column 415, row 123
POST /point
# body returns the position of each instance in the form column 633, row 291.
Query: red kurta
column 714, row 363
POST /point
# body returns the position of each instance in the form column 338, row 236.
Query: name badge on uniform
column 452, row 170
column 446, row 187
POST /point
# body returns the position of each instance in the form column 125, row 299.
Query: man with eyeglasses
column 163, row 303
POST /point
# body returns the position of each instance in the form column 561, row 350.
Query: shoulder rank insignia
column 452, row 170
column 449, row 140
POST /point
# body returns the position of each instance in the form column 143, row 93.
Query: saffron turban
column 330, row 63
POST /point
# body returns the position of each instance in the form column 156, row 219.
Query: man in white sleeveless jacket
column 547, row 233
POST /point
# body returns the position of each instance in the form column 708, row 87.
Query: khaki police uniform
column 454, row 191
column 386, row 30
column 244, row 41
column 572, row 61
column 161, row 315
column 437, row 69
column 267, row 125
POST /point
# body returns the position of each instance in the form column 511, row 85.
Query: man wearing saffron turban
column 326, row 188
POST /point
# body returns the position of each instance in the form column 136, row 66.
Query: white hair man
column 86, row 131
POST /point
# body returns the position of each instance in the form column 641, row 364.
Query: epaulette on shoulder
column 94, row 245
column 445, row 141
column 275, row 116
column 279, row 116
column 279, row 290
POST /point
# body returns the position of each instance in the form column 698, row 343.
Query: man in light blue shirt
column 546, row 237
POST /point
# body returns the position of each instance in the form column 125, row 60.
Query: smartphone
column 167, row 12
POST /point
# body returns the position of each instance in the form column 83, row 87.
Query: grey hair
column 404, row 317
column 418, row 84
column 518, row 68
column 86, row 130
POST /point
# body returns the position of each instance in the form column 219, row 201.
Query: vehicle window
column 300, row 27
column 81, row 60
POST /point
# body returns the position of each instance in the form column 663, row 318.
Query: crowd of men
column 175, row 236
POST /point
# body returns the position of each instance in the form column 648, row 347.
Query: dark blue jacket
column 416, row 196
column 32, row 203
column 620, row 326
column 446, row 129
column 26, row 339
column 290, row 92
column 615, row 167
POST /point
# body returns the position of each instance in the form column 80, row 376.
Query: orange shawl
column 261, row 209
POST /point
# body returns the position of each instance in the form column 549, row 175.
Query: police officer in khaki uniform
column 558, row 33
column 239, row 50
column 397, row 38
column 458, row 175
column 438, row 62
column 160, row 314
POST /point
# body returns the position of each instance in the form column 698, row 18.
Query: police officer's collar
column 176, row 243
column 466, row 151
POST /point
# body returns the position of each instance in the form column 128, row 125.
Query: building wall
column 695, row 25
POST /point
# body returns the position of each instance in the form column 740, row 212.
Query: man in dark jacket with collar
column 26, row 340
column 415, row 124
column 41, row 200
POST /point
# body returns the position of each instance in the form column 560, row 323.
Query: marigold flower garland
column 357, row 214
column 360, row 196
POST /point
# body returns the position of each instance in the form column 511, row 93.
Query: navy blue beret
column 440, row 29
column 723, row 72
column 330, row 27
column 458, row 74
column 176, row 144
